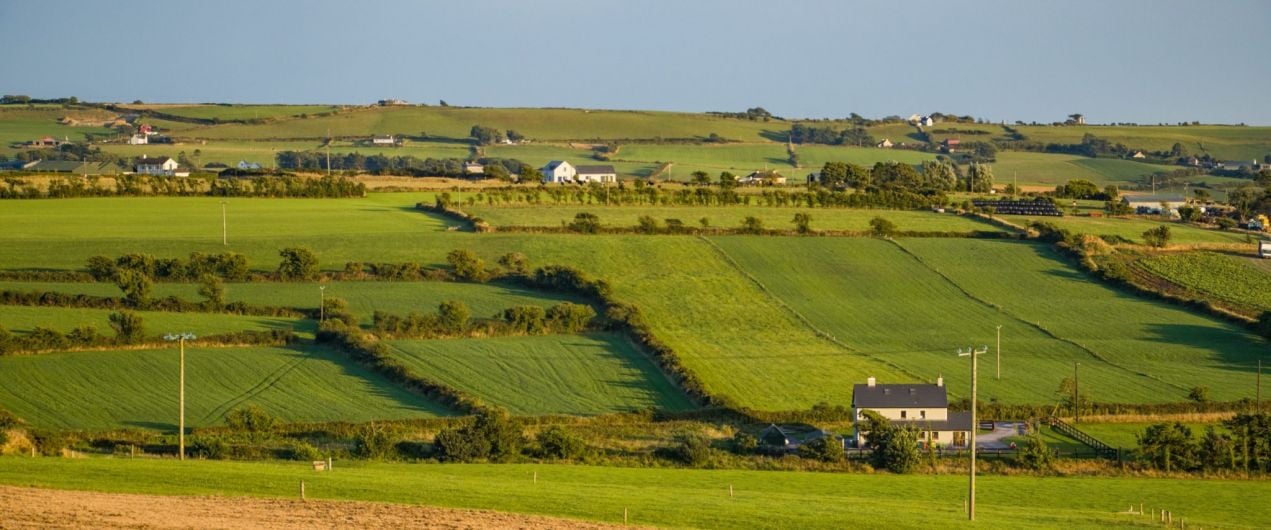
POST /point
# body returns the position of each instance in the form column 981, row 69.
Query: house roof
column 554, row 164
column 958, row 421
column 153, row 161
column 594, row 170
column 1154, row 200
column 899, row 395
column 383, row 137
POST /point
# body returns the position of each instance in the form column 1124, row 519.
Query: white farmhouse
column 1151, row 204
column 922, row 406
column 558, row 171
column 138, row 139
column 383, row 139
column 601, row 174
column 163, row 166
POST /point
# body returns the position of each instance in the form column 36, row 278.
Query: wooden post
column 329, row 463
column 1169, row 518
column 730, row 490
column 624, row 516
column 536, row 477
column 181, row 426
column 302, row 490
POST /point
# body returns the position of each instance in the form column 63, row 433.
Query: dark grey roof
column 552, row 165
column 594, row 170
column 958, row 421
column 899, row 395
column 153, row 161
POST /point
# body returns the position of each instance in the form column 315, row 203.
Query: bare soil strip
column 47, row 508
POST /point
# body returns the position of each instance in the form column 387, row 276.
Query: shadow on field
column 1221, row 342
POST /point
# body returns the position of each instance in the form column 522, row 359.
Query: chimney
column 870, row 382
column 940, row 380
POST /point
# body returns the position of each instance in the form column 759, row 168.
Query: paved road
column 994, row 440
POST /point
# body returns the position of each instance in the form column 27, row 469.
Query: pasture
column 1050, row 170
column 555, row 374
column 1232, row 279
column 1222, row 142
column 98, row 390
column 1132, row 228
column 23, row 319
column 228, row 112
column 680, row 497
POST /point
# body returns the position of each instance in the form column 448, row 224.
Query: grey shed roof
column 899, row 395
column 552, row 165
column 594, row 170
column 153, row 161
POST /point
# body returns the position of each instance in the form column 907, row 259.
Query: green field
column 554, row 374
column 1223, row 142
column 683, row 498
column 732, row 217
column 1132, row 228
column 1125, row 435
column 22, row 319
column 18, row 124
column 1046, row 169
column 241, row 112
column 1173, row 347
column 1228, row 278
column 137, row 388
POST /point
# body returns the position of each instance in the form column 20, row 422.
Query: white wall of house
column 603, row 178
column 564, row 172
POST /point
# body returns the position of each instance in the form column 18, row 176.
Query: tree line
column 396, row 165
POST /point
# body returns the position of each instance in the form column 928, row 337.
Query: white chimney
column 940, row 380
column 870, row 382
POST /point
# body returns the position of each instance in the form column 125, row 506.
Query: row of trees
column 454, row 319
column 397, row 165
column 829, row 135
column 1245, row 446
column 127, row 325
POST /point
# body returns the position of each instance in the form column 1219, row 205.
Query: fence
column 1101, row 449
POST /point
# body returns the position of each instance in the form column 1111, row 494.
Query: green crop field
column 22, row 319
column 242, row 112
column 1227, row 278
column 1165, row 347
column 364, row 298
column 679, row 497
column 18, row 124
column 813, row 157
column 554, row 374
column 1045, row 169
column 1132, row 228
column 1222, row 142
column 732, row 217
column 137, row 388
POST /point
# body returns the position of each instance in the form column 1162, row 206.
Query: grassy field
column 1162, row 346
column 18, row 124
column 1125, row 435
column 682, row 498
column 732, row 217
column 1132, row 228
column 554, row 374
column 1046, row 169
column 137, row 388
column 1223, row 142
column 242, row 112
column 364, row 298
column 1228, row 278
column 22, row 319
column 813, row 157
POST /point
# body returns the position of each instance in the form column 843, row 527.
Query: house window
column 904, row 414
column 922, row 414
column 935, row 435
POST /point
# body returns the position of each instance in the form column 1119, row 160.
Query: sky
column 1114, row 61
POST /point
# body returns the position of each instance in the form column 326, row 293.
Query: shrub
column 135, row 286
column 467, row 265
column 128, row 326
column 516, row 263
column 101, row 268
column 585, row 223
column 752, row 225
column 646, row 224
column 825, row 449
column 744, row 443
column 1199, row 394
column 375, row 442
column 693, row 449
column 298, row 264
column 1034, row 454
column 452, row 316
column 458, row 445
column 211, row 288
column 567, row 317
column 211, row 448
column 250, row 418
column 556, row 442
column 1157, row 237
column 802, row 222
column 529, row 319
column 881, row 227
column 304, row 452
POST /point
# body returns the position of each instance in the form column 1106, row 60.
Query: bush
column 298, row 264
column 374, row 442
column 128, row 326
column 466, row 265
column 529, row 319
column 211, row 448
column 1034, row 454
column 567, row 317
column 745, row 443
column 250, row 418
column 585, row 223
column 693, row 449
column 825, row 449
column 1157, row 237
column 881, row 227
column 516, row 263
column 304, row 452
column 556, row 442
column 452, row 316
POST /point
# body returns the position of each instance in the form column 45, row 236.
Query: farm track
column 1035, row 325
column 822, row 334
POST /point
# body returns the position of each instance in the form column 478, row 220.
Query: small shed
column 1264, row 248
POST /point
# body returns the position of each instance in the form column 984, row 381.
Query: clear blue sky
column 1148, row 62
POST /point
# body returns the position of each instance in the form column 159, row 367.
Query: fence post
column 302, row 490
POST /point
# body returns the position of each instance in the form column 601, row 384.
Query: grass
column 1159, row 346
column 1132, row 228
column 243, row 112
column 137, row 388
column 1050, row 170
column 555, row 374
column 19, row 124
column 1125, row 435
column 364, row 298
column 730, row 217
column 678, row 497
column 22, row 319
column 1227, row 278
column 1223, row 142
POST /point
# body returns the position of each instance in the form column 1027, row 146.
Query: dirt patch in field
column 46, row 508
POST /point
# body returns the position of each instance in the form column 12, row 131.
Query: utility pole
column 328, row 151
column 180, row 338
column 1259, row 394
column 224, row 226
column 974, row 353
column 322, row 304
column 1076, row 394
column 999, row 351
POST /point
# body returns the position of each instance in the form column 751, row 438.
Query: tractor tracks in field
column 805, row 321
column 265, row 384
column 1035, row 325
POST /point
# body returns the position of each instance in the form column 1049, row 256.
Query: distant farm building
column 138, row 139
column 1138, row 155
column 45, row 142
column 1152, row 204
column 601, row 174
column 1264, row 249
column 383, row 139
column 473, row 168
column 921, row 406
column 886, row 143
column 950, row 145
column 766, row 177
column 75, row 167
column 243, row 164
column 161, row 166
column 559, row 171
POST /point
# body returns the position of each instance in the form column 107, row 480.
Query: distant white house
column 1138, row 154
column 1151, row 204
column 601, row 174
column 558, row 171
column 1264, row 249
column 243, row 164
column 921, row 406
column 763, row 177
column 926, row 121
column 886, row 143
column 383, row 139
column 473, row 168
column 138, row 139
column 164, row 166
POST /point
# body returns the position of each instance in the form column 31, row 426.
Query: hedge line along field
column 138, row 388
column 1132, row 228
column 1176, row 347
column 587, row 374
column 1227, row 278
column 19, row 124
column 363, row 297
column 780, row 218
column 875, row 299
column 23, row 319
column 239, row 112
column 1222, row 142
column 695, row 498
column 1047, row 169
